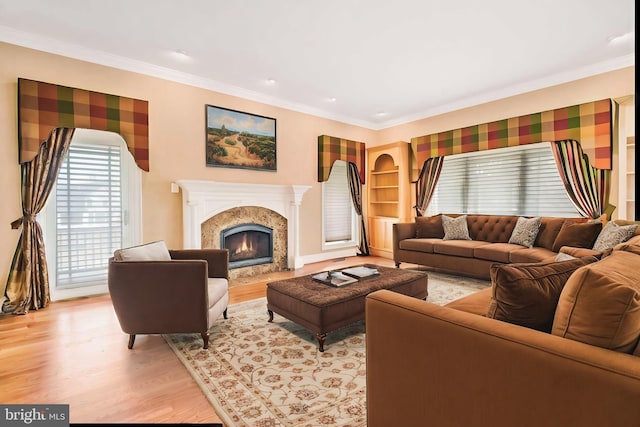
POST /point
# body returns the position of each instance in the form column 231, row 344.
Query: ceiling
column 373, row 63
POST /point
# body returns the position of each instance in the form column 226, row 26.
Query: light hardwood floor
column 74, row 352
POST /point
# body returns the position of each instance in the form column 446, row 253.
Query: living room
column 177, row 131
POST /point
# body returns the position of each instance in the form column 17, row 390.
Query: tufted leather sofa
column 488, row 245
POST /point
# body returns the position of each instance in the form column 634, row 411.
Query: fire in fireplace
column 248, row 244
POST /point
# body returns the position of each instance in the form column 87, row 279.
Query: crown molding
column 32, row 41
column 518, row 89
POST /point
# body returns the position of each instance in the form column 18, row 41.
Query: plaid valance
column 589, row 123
column 331, row 149
column 43, row 107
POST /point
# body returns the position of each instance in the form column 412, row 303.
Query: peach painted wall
column 176, row 123
column 176, row 115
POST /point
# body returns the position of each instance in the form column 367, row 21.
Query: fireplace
column 248, row 244
column 209, row 207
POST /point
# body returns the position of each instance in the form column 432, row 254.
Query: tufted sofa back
column 498, row 228
column 491, row 228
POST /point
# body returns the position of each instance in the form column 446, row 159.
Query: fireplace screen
column 248, row 244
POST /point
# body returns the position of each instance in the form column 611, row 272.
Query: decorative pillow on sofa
column 600, row 304
column 154, row 251
column 455, row 228
column 549, row 229
column 525, row 232
column 577, row 234
column 429, row 227
column 631, row 245
column 613, row 234
column 526, row 294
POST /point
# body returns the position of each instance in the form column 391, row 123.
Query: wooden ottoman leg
column 270, row 315
column 321, row 338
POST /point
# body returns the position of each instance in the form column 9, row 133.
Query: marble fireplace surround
column 202, row 200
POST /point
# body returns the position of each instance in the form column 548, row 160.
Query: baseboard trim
column 325, row 256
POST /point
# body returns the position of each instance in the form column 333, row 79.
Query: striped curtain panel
column 28, row 281
column 426, row 183
column 587, row 187
column 355, row 187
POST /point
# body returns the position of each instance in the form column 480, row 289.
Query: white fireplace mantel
column 203, row 199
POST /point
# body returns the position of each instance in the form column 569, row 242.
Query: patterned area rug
column 262, row 374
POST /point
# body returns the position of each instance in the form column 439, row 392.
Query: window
column 339, row 217
column 89, row 213
column 521, row 180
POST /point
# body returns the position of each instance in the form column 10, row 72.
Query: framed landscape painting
column 240, row 140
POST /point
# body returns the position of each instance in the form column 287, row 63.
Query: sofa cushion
column 154, row 251
column 419, row 245
column 429, row 227
column 531, row 255
column 613, row 234
column 579, row 235
column 461, row 248
column 600, row 304
column 580, row 252
column 455, row 228
column 549, row 229
column 475, row 303
column 527, row 294
column 216, row 288
column 498, row 252
column 525, row 231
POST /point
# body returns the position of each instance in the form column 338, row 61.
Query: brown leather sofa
column 421, row 242
column 450, row 366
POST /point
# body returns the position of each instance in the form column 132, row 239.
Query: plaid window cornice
column 331, row 149
column 43, row 107
column 589, row 123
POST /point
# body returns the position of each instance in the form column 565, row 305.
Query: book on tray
column 334, row 278
column 361, row 272
column 346, row 276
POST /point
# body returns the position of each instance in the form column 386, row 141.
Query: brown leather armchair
column 185, row 294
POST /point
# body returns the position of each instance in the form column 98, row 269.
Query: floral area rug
column 262, row 374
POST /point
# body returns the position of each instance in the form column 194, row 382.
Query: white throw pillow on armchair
column 154, row 251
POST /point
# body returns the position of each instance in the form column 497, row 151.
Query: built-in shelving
column 388, row 194
column 625, row 168
column 631, row 177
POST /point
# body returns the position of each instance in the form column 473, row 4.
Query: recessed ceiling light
column 332, row 99
column 270, row 82
column 381, row 114
column 621, row 38
column 181, row 55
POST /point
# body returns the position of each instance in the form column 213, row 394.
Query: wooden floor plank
column 74, row 352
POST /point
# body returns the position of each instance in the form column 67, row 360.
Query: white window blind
column 521, row 180
column 89, row 220
column 337, row 205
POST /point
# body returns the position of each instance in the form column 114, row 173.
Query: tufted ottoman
column 322, row 308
